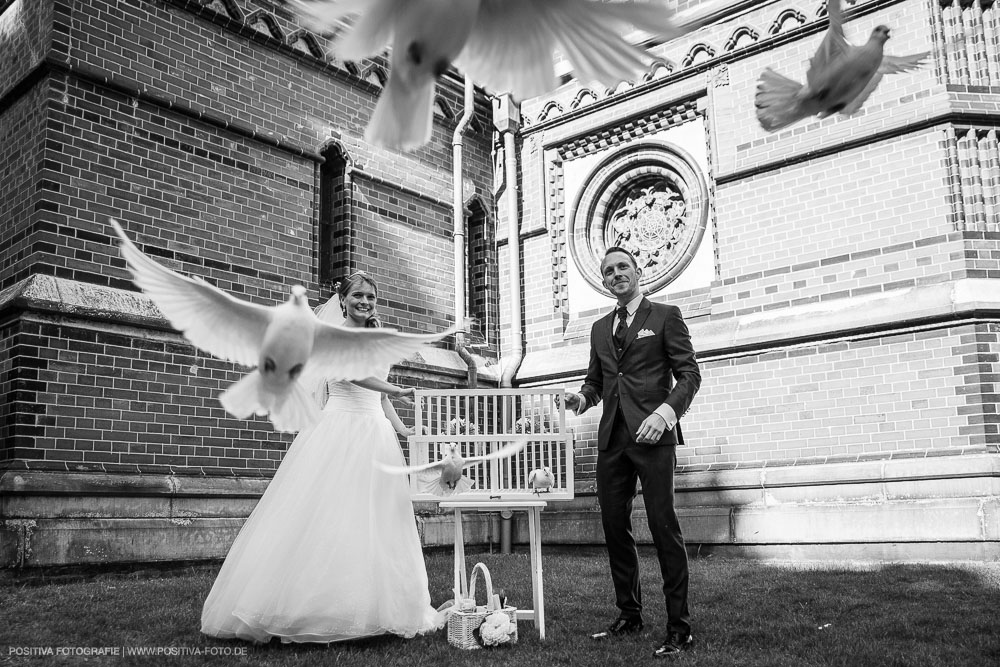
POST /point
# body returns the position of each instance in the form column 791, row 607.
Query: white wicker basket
column 463, row 623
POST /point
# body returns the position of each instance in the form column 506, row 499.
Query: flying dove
column 448, row 470
column 290, row 347
column 505, row 45
column 839, row 80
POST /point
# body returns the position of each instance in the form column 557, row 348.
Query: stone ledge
column 35, row 483
column 968, row 475
column 985, row 466
column 49, row 294
column 865, row 315
column 910, row 509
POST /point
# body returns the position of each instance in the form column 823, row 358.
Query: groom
column 643, row 366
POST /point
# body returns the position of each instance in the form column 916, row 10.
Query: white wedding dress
column 331, row 551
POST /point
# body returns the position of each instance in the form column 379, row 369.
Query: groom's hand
column 651, row 429
column 573, row 401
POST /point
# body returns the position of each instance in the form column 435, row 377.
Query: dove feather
column 351, row 353
column 208, row 317
column 293, row 411
column 896, row 64
column 405, row 131
column 589, row 33
column 414, row 468
column 854, row 105
column 833, row 46
column 242, row 398
column 777, row 102
column 326, row 16
column 367, row 36
column 296, row 410
column 599, row 54
column 370, row 33
column 504, row 452
column 528, row 64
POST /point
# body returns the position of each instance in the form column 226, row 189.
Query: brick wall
column 25, row 38
column 122, row 399
column 869, row 218
column 22, row 150
column 200, row 127
column 839, row 400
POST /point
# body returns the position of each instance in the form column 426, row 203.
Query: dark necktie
column 622, row 327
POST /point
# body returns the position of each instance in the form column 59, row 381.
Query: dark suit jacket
column 656, row 368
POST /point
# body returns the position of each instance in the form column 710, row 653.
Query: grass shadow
column 745, row 613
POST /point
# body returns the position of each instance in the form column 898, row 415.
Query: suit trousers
column 618, row 468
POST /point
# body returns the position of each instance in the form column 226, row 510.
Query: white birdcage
column 481, row 421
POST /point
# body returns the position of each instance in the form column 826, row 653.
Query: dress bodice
column 345, row 395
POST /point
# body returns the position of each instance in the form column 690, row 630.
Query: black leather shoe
column 621, row 627
column 674, row 645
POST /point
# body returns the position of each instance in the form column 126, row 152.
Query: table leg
column 461, row 582
column 535, row 544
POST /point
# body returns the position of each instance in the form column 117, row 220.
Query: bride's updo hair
column 344, row 287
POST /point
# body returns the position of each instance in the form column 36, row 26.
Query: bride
column 331, row 550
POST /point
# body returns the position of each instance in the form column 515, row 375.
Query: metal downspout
column 460, row 246
column 507, row 119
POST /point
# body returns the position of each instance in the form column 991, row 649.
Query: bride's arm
column 383, row 387
column 393, row 417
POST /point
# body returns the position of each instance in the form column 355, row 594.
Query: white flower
column 497, row 628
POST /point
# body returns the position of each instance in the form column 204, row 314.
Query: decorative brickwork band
column 557, row 234
column 974, row 175
column 633, row 129
column 954, row 180
column 968, row 34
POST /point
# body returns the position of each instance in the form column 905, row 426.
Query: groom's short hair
column 614, row 248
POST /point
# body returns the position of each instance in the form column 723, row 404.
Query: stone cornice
column 730, row 52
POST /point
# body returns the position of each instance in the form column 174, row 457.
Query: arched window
column 482, row 278
column 334, row 216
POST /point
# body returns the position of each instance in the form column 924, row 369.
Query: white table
column 533, row 508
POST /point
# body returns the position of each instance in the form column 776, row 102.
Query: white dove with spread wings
column 505, row 45
column 839, row 80
column 290, row 347
column 447, row 476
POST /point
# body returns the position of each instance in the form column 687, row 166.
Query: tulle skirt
column 331, row 551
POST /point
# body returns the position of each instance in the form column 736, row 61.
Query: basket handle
column 492, row 601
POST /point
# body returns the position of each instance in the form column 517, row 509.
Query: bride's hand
column 405, row 394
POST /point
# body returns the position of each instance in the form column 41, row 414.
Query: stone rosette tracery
column 650, row 199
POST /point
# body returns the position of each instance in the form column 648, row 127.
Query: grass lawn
column 745, row 613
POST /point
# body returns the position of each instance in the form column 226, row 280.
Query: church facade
column 839, row 277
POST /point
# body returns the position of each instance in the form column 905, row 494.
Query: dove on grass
column 446, row 474
column 290, row 347
column 839, row 80
column 505, row 45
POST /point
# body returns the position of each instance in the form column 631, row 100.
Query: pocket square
column 644, row 333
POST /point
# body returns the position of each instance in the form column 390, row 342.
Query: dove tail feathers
column 430, row 481
column 294, row 410
column 776, row 101
column 403, row 116
column 243, row 398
